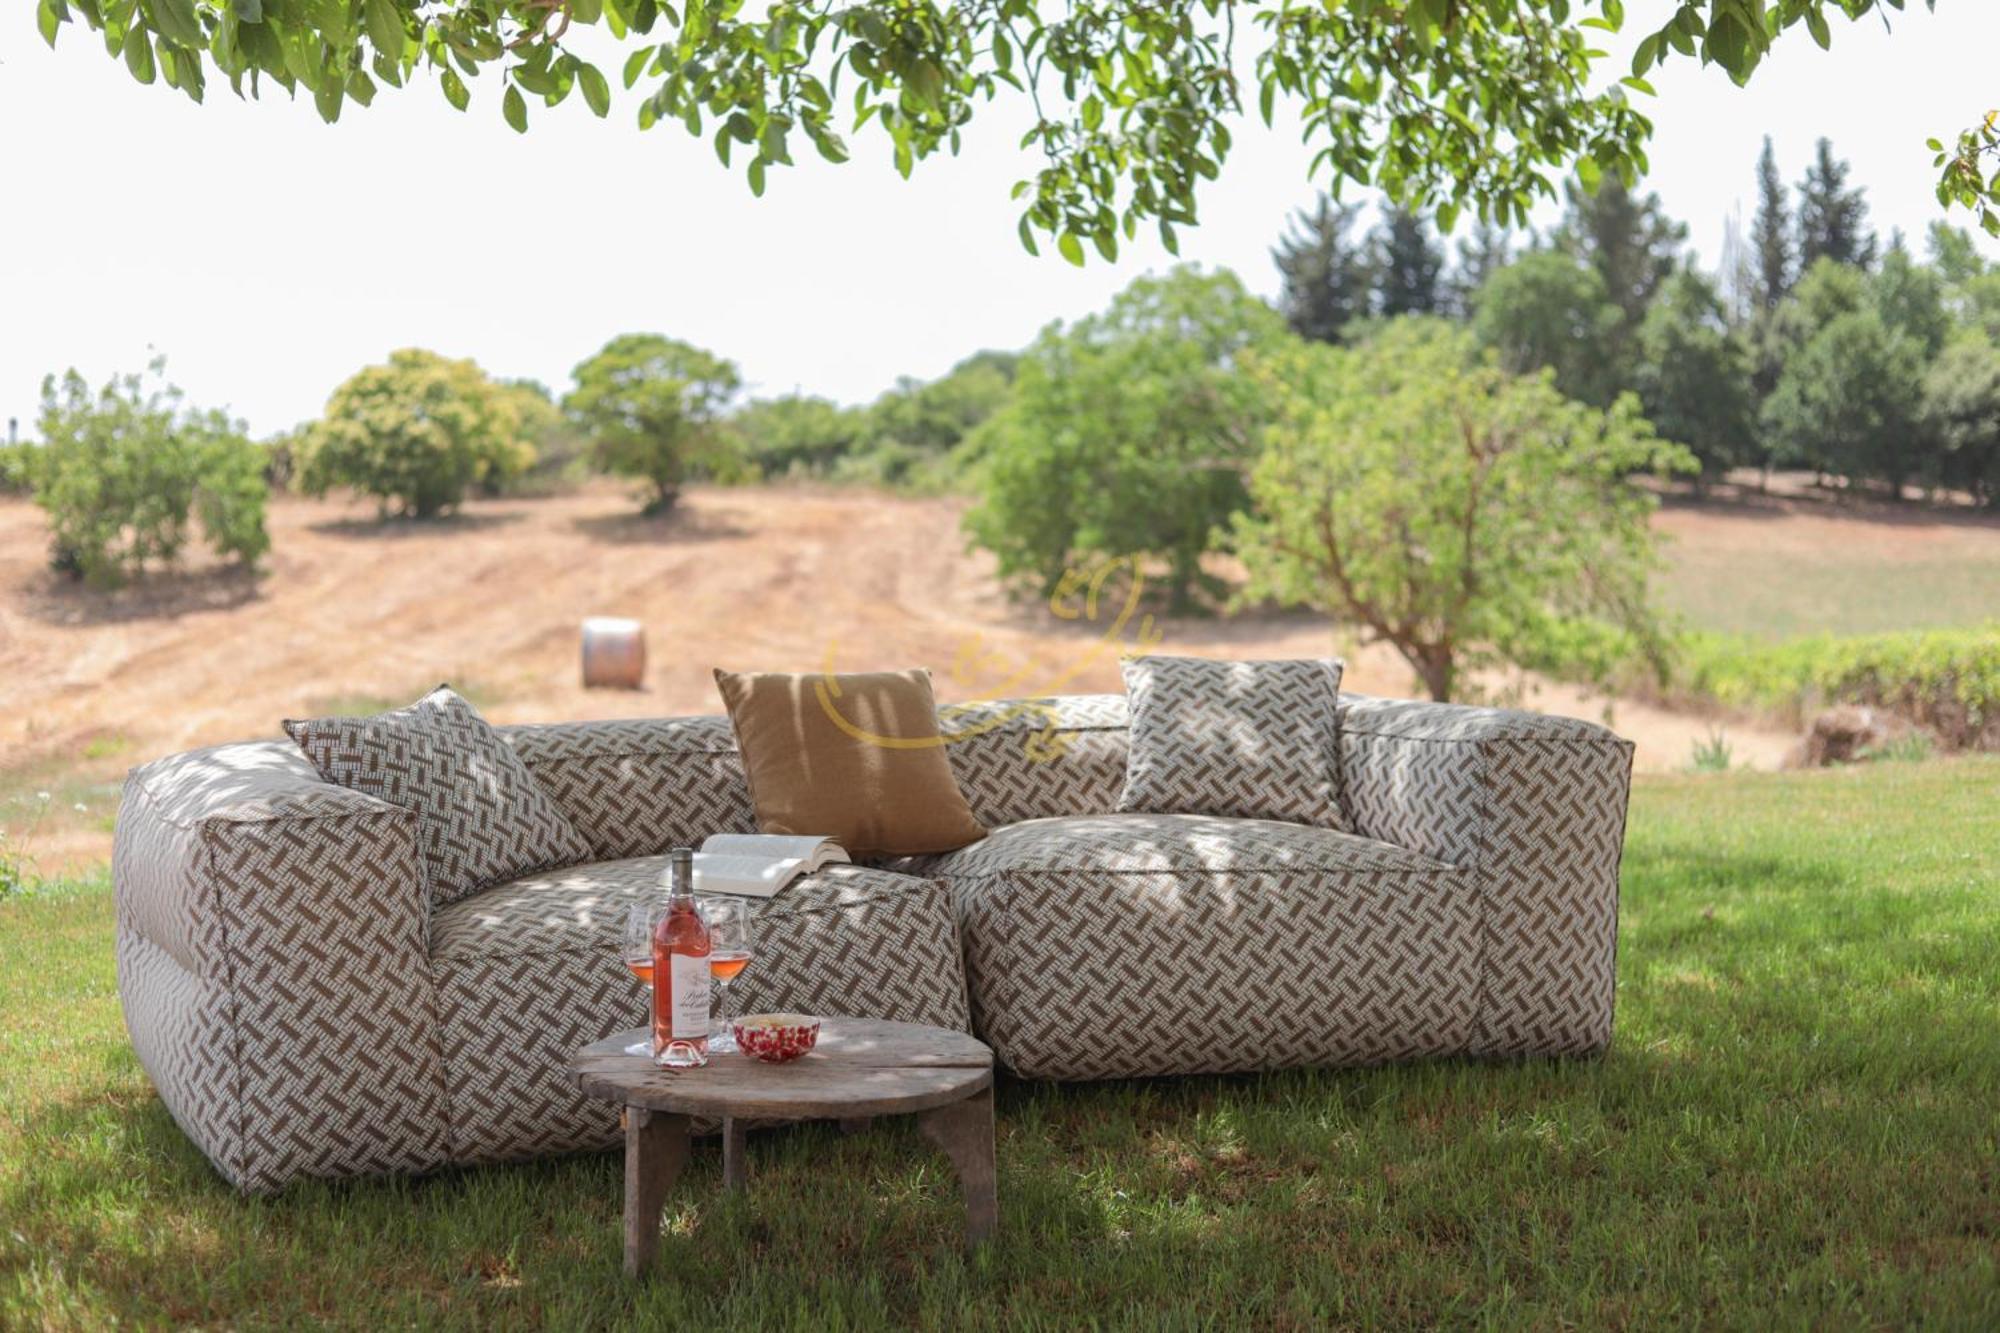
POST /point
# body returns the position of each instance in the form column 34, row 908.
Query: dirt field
column 355, row 615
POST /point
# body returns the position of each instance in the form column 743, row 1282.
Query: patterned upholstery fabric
column 481, row 816
column 530, row 971
column 640, row 787
column 272, row 966
column 1535, row 806
column 1252, row 739
column 1125, row 945
column 305, row 1010
column 1030, row 758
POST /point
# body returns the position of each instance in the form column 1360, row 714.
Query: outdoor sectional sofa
column 303, row 1010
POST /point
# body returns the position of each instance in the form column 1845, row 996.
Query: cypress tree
column 1409, row 266
column 1771, row 234
column 1326, row 278
column 1833, row 220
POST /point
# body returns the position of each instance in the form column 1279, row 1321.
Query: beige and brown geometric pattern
column 482, row 816
column 1127, row 945
column 1535, row 807
column 305, row 1010
column 273, row 970
column 1253, row 739
column 530, row 971
column 640, row 787
column 1031, row 758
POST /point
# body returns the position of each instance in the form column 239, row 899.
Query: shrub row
column 1947, row 680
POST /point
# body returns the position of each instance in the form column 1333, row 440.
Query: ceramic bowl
column 776, row 1038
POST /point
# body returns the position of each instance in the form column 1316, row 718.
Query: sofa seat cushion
column 1150, row 842
column 1114, row 946
column 585, row 906
column 527, row 972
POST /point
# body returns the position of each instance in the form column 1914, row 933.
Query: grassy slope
column 1797, row 1126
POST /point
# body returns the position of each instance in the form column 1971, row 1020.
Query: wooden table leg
column 735, row 1170
column 964, row 1131
column 656, row 1148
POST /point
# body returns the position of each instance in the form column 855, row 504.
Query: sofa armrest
column 1535, row 806
column 274, row 968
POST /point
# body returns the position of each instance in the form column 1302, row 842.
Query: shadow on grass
column 392, row 527
column 1739, row 501
column 161, row 595
column 676, row 526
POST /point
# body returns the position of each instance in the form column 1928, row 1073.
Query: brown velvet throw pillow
column 856, row 758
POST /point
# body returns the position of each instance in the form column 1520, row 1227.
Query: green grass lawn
column 1785, row 594
column 1798, row 1126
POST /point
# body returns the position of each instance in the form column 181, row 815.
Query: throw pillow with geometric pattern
column 482, row 818
column 1253, row 740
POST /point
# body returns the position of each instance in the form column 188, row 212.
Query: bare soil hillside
column 354, row 614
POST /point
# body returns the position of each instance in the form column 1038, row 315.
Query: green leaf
column 1816, row 24
column 385, row 27
column 49, row 15
column 515, row 109
column 361, row 88
column 327, row 99
column 586, row 11
column 175, row 20
column 756, row 174
column 1070, row 248
column 455, row 91
column 596, row 92
column 249, row 11
column 635, row 64
column 139, row 53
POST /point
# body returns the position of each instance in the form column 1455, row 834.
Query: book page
column 767, row 846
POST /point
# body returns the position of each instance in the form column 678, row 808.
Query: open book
column 757, row 865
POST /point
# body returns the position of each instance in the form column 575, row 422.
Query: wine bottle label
column 690, row 996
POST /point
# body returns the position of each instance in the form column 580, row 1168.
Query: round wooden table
column 861, row 1068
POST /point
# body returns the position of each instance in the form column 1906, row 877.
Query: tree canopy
column 1457, row 105
column 652, row 407
column 1463, row 515
column 416, row 433
column 1127, row 434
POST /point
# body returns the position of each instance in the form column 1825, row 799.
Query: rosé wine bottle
column 680, row 972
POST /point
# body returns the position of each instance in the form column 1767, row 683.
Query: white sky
column 269, row 255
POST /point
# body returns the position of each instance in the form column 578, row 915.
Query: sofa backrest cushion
column 638, row 787
column 482, row 818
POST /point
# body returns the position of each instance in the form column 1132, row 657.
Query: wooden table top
column 860, row 1067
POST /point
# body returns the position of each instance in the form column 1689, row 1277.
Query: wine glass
column 640, row 923
column 729, row 949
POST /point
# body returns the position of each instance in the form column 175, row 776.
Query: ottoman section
column 529, row 972
column 1135, row 945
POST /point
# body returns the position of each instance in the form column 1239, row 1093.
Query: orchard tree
column 1446, row 105
column 1547, row 310
column 908, row 432
column 1327, row 278
column 1850, row 401
column 1127, row 434
column 416, row 433
column 796, row 433
column 653, row 409
column 1692, row 374
column 1461, row 514
column 1962, row 411
column 125, row 471
column 1911, row 299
